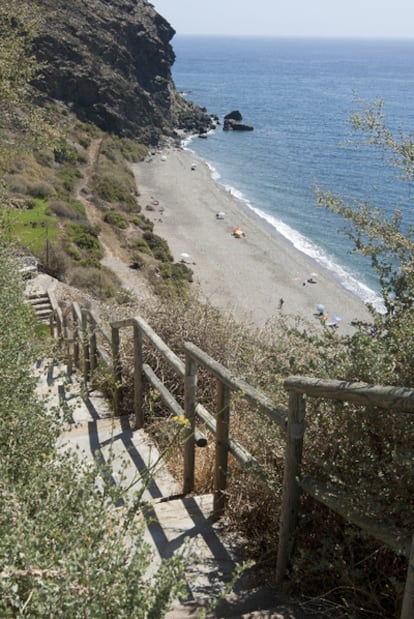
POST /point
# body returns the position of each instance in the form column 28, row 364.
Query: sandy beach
column 245, row 276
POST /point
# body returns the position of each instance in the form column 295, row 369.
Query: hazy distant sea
column 298, row 94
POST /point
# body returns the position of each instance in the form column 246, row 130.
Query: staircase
column 41, row 305
column 174, row 523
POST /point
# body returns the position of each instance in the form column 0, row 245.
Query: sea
column 299, row 95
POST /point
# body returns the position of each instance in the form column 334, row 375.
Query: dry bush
column 364, row 453
column 17, row 183
column 66, row 210
column 100, row 282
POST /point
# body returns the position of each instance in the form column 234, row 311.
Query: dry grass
column 341, row 446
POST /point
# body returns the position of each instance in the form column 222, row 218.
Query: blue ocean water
column 299, row 94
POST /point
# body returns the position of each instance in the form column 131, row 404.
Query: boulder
column 235, row 115
column 232, row 125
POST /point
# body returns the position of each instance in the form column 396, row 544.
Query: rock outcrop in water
column 110, row 62
column 232, row 122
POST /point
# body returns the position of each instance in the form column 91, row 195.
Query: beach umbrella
column 336, row 318
column 184, row 256
column 320, row 308
column 163, row 158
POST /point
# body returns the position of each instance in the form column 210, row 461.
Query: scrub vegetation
column 68, row 558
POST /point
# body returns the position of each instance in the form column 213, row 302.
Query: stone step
column 174, row 524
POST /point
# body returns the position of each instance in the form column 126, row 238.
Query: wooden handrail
column 397, row 399
column 388, row 398
column 255, row 397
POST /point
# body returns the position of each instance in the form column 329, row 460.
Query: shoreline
column 245, row 276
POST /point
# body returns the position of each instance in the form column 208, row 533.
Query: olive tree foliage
column 388, row 242
column 70, row 545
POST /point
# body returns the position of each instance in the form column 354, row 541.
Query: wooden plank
column 255, row 397
column 397, row 539
column 86, row 348
column 190, row 396
column 386, row 397
column 291, row 492
column 138, row 386
column 222, row 448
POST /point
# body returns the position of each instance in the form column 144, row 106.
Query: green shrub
column 85, row 236
column 85, row 141
column 68, row 177
column 142, row 246
column 177, row 272
column 73, row 252
column 143, row 223
column 115, row 218
column 111, row 189
column 130, row 150
column 158, row 246
column 69, row 547
column 65, row 153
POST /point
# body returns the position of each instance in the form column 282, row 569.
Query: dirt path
column 114, row 258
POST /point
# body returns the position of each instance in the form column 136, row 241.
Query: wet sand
column 245, row 276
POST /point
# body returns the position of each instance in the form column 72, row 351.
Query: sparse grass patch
column 117, row 148
column 113, row 189
column 68, row 176
column 71, row 209
column 100, row 282
column 33, row 227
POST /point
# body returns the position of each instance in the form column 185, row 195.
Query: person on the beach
column 281, row 302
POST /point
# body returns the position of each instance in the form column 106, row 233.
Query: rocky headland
column 110, row 62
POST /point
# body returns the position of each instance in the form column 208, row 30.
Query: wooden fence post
column 291, row 490
column 117, row 369
column 93, row 352
column 190, row 390
column 75, row 337
column 407, row 611
column 86, row 349
column 222, row 448
column 68, row 343
column 138, row 387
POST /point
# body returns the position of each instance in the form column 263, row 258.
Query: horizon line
column 366, row 37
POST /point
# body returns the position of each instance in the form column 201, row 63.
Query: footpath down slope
column 174, row 523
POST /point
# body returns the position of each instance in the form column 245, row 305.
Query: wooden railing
column 86, row 345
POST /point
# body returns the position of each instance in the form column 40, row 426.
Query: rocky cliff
column 110, row 62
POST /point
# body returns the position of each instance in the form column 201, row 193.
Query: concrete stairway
column 41, row 305
column 174, row 523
